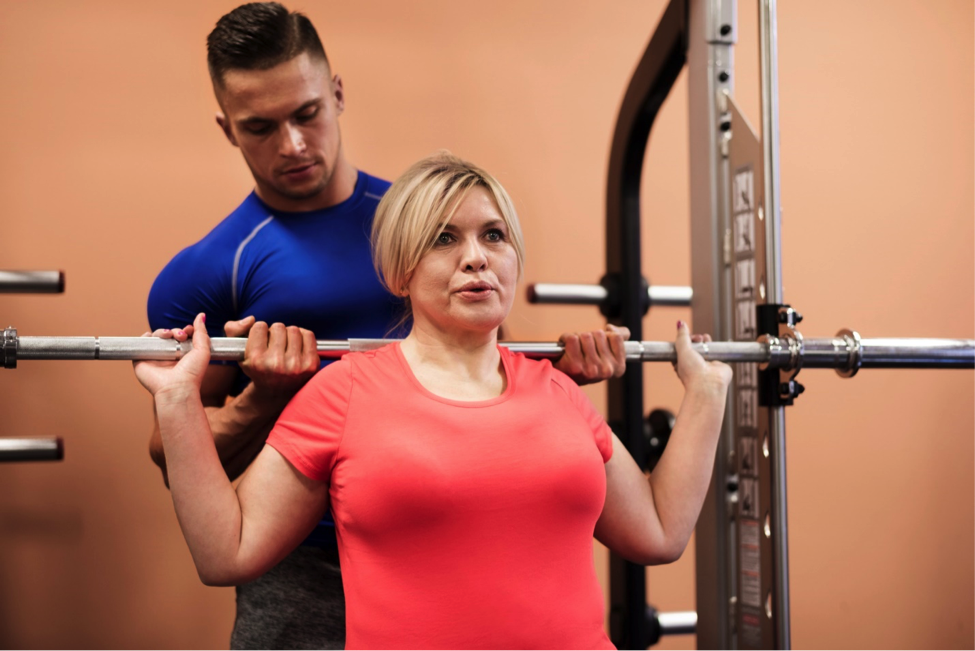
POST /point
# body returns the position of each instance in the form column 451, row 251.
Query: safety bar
column 31, row 282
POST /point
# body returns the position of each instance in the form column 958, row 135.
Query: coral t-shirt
column 460, row 524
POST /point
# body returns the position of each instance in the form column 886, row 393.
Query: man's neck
column 339, row 188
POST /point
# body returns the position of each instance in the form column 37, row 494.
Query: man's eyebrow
column 253, row 120
column 312, row 102
column 256, row 119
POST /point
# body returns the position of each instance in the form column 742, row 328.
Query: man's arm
column 278, row 359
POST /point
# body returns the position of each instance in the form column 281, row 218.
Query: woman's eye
column 495, row 235
column 443, row 238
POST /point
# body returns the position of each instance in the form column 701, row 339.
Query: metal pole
column 31, row 282
column 31, row 449
column 841, row 352
column 778, row 608
column 678, row 622
column 578, row 294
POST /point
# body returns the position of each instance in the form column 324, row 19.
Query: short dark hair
column 258, row 36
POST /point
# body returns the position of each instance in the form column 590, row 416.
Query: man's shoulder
column 229, row 233
column 215, row 251
column 375, row 187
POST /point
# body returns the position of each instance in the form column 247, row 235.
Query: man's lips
column 298, row 169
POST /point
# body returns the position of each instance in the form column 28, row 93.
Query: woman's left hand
column 692, row 369
column 187, row 373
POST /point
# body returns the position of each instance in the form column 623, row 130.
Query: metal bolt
column 725, row 30
column 723, row 76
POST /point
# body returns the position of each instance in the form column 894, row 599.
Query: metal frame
column 630, row 626
column 702, row 34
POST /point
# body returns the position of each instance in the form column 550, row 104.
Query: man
column 296, row 251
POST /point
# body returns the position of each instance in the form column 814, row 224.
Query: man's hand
column 278, row 359
column 594, row 356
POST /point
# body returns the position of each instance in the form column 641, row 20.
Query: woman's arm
column 233, row 535
column 649, row 521
column 278, row 360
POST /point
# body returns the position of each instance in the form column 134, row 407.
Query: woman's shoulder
column 360, row 363
column 540, row 370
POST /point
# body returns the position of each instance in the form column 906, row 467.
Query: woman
column 466, row 482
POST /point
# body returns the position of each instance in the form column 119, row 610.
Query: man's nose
column 292, row 141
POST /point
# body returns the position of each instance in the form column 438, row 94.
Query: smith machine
column 741, row 537
column 742, row 543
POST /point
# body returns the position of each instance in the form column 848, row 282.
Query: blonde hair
column 417, row 208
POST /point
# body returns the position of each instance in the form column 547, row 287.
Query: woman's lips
column 476, row 292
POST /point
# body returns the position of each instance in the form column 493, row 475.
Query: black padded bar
column 630, row 628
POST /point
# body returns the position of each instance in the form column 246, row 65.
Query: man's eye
column 259, row 131
column 305, row 117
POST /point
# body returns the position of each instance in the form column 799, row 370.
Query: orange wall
column 110, row 162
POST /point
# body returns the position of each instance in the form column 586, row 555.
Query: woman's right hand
column 186, row 375
column 692, row 369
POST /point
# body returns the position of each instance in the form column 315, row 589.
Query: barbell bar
column 31, row 282
column 847, row 352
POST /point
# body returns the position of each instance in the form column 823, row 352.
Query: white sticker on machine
column 748, row 498
column 751, row 565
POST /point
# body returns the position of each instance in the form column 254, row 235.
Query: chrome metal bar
column 678, row 623
column 31, row 449
column 916, row 353
column 670, row 296
column 577, row 294
column 833, row 352
column 777, row 608
column 566, row 294
column 31, row 282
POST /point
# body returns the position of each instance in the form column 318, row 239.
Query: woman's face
column 466, row 282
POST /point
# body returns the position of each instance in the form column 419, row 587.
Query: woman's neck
column 459, row 366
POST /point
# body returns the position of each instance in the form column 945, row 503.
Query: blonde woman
column 466, row 482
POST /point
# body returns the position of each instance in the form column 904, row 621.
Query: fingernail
column 203, row 318
column 680, row 324
column 179, row 333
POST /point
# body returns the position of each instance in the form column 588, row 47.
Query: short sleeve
column 309, row 431
column 602, row 434
column 196, row 280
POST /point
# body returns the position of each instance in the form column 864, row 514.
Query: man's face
column 285, row 122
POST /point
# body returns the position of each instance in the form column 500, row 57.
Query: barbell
column 846, row 352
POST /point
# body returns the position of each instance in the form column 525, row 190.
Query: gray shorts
column 299, row 604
